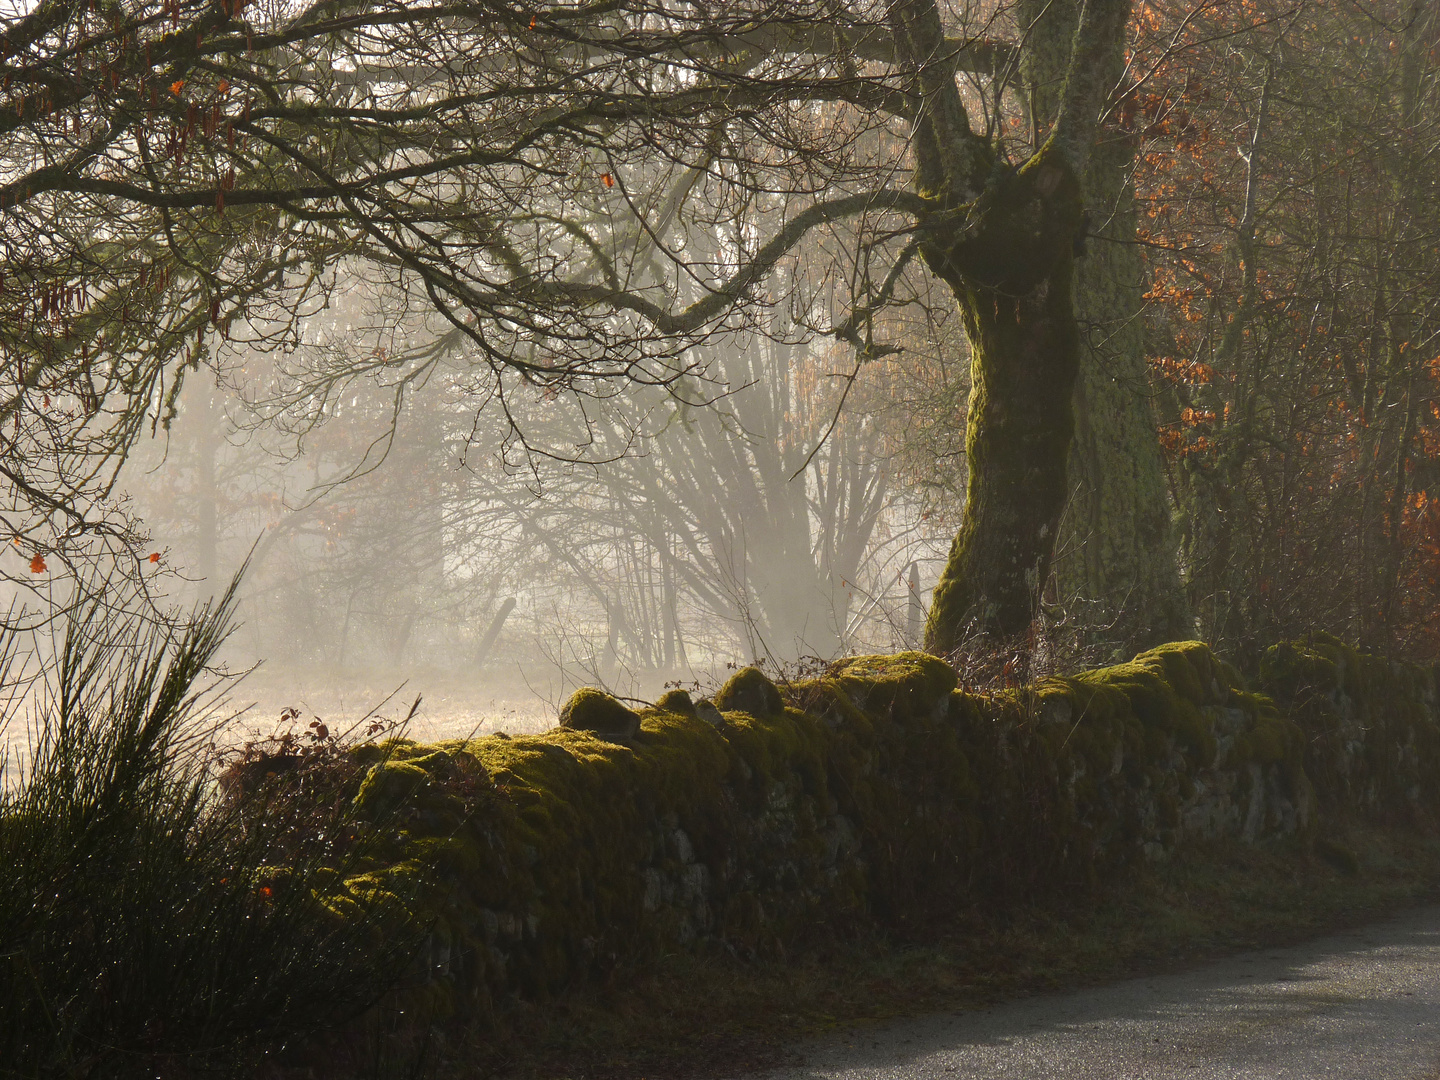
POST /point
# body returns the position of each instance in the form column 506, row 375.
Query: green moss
column 1009, row 260
column 907, row 685
column 887, row 796
column 676, row 701
column 1367, row 727
column 750, row 691
column 1271, row 740
column 388, row 785
column 453, row 857
column 1292, row 669
column 600, row 714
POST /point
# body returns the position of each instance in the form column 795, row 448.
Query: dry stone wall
column 1372, row 741
column 774, row 818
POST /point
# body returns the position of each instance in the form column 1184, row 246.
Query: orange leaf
column 37, row 564
column 177, row 86
column 607, row 179
column 224, row 85
column 154, row 556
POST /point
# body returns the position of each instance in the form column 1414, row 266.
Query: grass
column 710, row 1016
column 144, row 926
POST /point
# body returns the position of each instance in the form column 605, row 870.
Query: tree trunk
column 1004, row 240
column 1116, row 571
column 1012, row 276
column 914, row 608
column 487, row 642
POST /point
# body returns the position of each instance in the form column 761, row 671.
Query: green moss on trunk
column 1011, row 266
column 1118, row 580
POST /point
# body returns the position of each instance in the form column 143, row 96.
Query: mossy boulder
column 599, row 713
column 905, row 686
column 676, row 701
column 750, row 691
column 387, row 786
column 397, row 790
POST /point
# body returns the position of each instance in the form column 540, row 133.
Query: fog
column 491, row 559
column 474, row 354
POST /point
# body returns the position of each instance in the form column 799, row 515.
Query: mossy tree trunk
column 1004, row 240
column 1117, row 574
column 1116, row 571
column 1024, row 340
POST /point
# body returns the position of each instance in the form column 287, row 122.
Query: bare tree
column 1291, row 210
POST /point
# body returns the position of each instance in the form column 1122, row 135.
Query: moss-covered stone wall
column 1372, row 740
column 763, row 822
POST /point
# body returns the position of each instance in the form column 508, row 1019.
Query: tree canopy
column 583, row 197
column 551, row 183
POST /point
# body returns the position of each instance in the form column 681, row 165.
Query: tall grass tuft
column 151, row 922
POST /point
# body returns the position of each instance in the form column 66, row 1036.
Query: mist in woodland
column 1037, row 332
column 493, row 559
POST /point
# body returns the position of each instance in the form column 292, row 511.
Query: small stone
column 705, row 709
column 1056, row 709
column 680, row 843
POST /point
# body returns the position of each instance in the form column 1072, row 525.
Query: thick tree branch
column 692, row 318
column 1098, row 33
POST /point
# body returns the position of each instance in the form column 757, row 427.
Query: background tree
column 1297, row 278
column 731, row 529
column 1117, row 582
column 577, row 199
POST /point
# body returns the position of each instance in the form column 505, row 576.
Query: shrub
column 152, row 922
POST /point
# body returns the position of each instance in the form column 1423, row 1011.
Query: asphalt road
column 1364, row 1004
